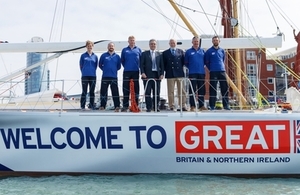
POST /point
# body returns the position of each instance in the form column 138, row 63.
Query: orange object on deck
column 134, row 107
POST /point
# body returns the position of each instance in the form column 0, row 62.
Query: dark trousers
column 150, row 88
column 113, row 83
column 127, row 75
column 198, row 85
column 216, row 77
column 88, row 81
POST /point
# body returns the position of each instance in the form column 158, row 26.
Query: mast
column 237, row 55
column 231, row 31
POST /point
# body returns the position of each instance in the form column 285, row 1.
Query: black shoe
column 124, row 109
column 183, row 109
column 211, row 108
column 227, row 108
column 158, row 110
column 148, row 110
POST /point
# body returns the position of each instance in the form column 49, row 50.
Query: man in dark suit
column 152, row 67
column 173, row 64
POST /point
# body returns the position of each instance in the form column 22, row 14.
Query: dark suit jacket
column 173, row 65
column 146, row 64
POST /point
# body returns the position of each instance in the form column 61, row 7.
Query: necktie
column 173, row 52
column 153, row 60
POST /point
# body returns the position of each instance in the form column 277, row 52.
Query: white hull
column 204, row 143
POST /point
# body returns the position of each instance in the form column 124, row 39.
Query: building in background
column 37, row 79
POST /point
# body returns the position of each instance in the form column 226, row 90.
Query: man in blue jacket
column 194, row 61
column 88, row 66
column 214, row 61
column 130, row 59
column 110, row 63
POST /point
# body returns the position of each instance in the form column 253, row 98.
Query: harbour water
column 144, row 184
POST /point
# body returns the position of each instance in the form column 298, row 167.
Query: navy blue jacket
column 173, row 65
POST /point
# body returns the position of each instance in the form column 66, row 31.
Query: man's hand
column 144, row 76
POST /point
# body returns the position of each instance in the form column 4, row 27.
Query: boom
column 101, row 46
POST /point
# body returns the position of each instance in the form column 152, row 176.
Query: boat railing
column 155, row 93
column 51, row 97
column 65, row 94
column 183, row 81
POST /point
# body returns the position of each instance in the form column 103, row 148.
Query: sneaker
column 202, row 108
column 101, row 108
column 124, row 110
column 212, row 108
column 192, row 109
column 117, row 109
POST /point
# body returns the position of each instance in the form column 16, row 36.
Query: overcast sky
column 117, row 19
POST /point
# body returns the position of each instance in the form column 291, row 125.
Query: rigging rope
column 61, row 31
column 249, row 18
column 12, row 85
column 4, row 63
column 274, row 58
column 160, row 11
column 174, row 24
column 280, row 11
column 166, row 16
column 271, row 13
column 206, row 15
column 215, row 23
column 195, row 24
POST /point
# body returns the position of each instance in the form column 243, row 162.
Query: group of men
column 153, row 66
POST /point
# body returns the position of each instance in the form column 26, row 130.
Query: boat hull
column 131, row 143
